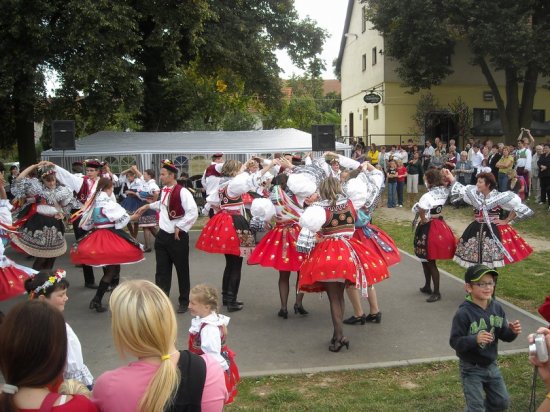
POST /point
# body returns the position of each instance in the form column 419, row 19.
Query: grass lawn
column 430, row 387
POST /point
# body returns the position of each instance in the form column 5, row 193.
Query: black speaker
column 63, row 135
column 322, row 138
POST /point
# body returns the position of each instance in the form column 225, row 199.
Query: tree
column 87, row 42
column 512, row 36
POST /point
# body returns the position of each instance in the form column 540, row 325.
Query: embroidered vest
column 84, row 191
column 211, row 171
column 228, row 201
column 340, row 219
column 175, row 209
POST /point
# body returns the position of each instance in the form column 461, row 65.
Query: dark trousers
column 78, row 234
column 545, row 189
column 170, row 251
column 231, row 277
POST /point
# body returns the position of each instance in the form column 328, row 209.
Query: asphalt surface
column 411, row 331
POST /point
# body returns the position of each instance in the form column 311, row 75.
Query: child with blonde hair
column 208, row 333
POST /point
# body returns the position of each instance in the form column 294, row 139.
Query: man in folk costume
column 178, row 213
column 83, row 187
column 211, row 178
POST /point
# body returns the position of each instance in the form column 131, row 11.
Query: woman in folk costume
column 489, row 239
column 107, row 245
column 12, row 275
column 277, row 249
column 382, row 250
column 132, row 185
column 149, row 220
column 433, row 239
column 338, row 260
column 41, row 229
column 84, row 187
column 228, row 231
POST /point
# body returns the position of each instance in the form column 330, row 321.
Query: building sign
column 372, row 98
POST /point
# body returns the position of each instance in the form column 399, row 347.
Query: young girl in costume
column 51, row 287
column 208, row 333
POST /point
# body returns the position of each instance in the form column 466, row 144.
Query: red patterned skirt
column 434, row 241
column 12, row 280
column 228, row 234
column 516, row 246
column 337, row 259
column 103, row 247
column 380, row 242
column 277, row 249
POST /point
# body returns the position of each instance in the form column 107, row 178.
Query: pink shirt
column 120, row 390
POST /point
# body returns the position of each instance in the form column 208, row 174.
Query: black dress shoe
column 434, row 297
column 182, row 308
column 426, row 289
column 374, row 317
column 283, row 313
column 300, row 309
column 238, row 302
column 234, row 306
column 337, row 345
column 90, row 285
column 352, row 320
column 96, row 305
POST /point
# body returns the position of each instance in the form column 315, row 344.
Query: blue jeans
column 400, row 186
column 502, row 182
column 477, row 380
column 392, row 194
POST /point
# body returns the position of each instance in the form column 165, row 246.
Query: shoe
column 434, row 297
column 300, row 309
column 374, row 317
column 238, row 302
column 352, row 320
column 399, row 205
column 426, row 289
column 234, row 306
column 182, row 308
column 337, row 345
column 90, row 285
column 97, row 306
column 283, row 313
column 147, row 250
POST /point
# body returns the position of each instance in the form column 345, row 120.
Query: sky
column 329, row 15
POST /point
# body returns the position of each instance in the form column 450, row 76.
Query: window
column 373, row 56
column 364, row 62
column 375, row 114
column 182, row 163
column 487, row 115
column 113, row 164
column 364, row 20
column 126, row 162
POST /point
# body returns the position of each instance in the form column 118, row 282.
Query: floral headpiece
column 52, row 280
column 168, row 165
column 46, row 171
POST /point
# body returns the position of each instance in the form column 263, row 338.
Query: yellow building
column 364, row 68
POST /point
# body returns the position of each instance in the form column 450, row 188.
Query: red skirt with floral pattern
column 336, row 259
column 391, row 257
column 277, row 249
column 516, row 246
column 228, row 234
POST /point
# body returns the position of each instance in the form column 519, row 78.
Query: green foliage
column 426, row 103
column 422, row 35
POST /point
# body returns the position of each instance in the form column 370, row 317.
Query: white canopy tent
column 190, row 151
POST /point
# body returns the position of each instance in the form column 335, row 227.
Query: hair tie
column 165, row 357
column 11, row 389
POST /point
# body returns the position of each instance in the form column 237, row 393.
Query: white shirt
column 187, row 203
column 524, row 158
column 477, row 159
column 211, row 340
column 212, row 183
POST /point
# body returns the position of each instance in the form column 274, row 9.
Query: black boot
column 95, row 304
column 232, row 304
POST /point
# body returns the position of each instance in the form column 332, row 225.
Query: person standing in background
column 535, row 179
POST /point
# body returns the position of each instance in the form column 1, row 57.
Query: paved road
column 411, row 330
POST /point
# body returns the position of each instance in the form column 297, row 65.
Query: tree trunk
column 23, row 112
column 528, row 96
